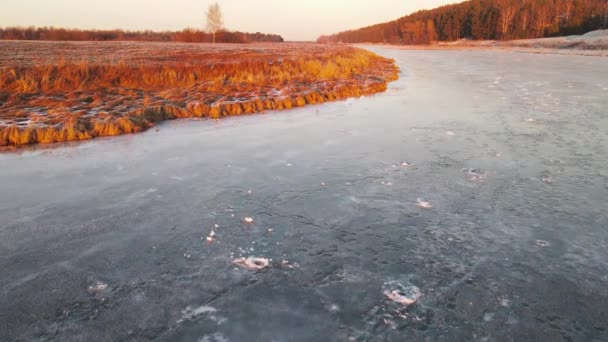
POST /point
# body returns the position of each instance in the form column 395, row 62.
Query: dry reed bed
column 80, row 91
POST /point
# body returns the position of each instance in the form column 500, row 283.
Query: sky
column 295, row 20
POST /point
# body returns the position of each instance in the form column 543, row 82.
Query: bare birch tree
column 214, row 19
column 605, row 14
column 508, row 11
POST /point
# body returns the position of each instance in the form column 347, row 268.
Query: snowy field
column 594, row 43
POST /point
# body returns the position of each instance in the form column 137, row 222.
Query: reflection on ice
column 421, row 203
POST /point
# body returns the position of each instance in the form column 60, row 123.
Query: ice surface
column 511, row 255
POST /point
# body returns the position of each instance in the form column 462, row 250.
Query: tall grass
column 71, row 99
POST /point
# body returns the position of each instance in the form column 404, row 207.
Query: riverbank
column 594, row 43
column 64, row 91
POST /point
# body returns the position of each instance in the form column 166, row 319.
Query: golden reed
column 75, row 95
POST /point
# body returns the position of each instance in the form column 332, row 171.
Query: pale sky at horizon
column 293, row 19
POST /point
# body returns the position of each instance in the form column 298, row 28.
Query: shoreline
column 517, row 49
column 594, row 43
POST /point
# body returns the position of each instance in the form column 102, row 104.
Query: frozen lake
column 107, row 239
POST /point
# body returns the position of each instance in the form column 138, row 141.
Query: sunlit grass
column 75, row 96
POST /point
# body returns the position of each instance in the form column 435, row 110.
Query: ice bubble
column 404, row 295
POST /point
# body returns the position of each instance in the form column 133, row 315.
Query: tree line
column 485, row 19
column 187, row 35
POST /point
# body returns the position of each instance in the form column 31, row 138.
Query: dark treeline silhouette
column 187, row 35
column 485, row 19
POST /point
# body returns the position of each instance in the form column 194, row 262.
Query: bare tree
column 214, row 19
column 542, row 10
column 508, row 11
column 568, row 8
column 605, row 14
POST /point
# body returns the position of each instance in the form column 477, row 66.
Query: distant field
column 62, row 91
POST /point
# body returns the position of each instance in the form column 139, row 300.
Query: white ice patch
column 216, row 337
column 97, row 287
column 542, row 243
column 421, row 203
column 289, row 264
column 333, row 308
column 203, row 310
column 189, row 313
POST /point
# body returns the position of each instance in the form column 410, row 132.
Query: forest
column 186, row 36
column 485, row 19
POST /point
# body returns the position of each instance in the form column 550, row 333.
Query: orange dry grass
column 71, row 95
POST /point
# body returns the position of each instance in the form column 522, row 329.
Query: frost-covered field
column 465, row 203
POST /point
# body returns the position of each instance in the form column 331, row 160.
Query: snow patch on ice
column 216, row 337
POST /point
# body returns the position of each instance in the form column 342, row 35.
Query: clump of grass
column 83, row 97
